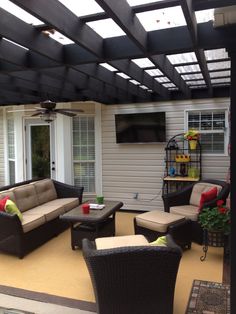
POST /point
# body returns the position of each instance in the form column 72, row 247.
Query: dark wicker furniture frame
column 138, row 279
column 182, row 198
column 12, row 238
column 98, row 223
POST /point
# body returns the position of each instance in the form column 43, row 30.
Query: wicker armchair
column 137, row 279
column 182, row 197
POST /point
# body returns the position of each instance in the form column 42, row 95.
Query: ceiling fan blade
column 20, row 110
column 68, row 109
column 36, row 114
column 69, row 114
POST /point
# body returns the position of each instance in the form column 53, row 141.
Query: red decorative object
column 86, row 208
column 208, row 196
column 3, row 203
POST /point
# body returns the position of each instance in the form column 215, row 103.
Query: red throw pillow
column 208, row 196
column 3, row 203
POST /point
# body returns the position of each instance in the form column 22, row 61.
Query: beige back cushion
column 198, row 189
column 45, row 190
column 25, row 197
column 7, row 193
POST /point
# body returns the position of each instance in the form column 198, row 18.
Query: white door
column 40, row 149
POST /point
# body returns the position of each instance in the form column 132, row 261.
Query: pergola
column 181, row 57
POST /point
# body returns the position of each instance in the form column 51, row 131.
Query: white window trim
column 226, row 131
column 98, row 151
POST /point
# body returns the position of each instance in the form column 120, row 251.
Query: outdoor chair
column 186, row 202
column 133, row 279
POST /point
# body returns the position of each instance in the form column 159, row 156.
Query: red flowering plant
column 216, row 218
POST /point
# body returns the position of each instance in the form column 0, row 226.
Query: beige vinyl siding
column 139, row 168
column 2, row 174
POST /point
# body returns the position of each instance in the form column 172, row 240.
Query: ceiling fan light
column 48, row 116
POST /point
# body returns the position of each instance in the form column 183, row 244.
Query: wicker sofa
column 41, row 202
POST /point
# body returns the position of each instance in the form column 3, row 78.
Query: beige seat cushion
column 67, row 203
column 45, row 190
column 188, row 211
column 49, row 211
column 198, row 189
column 120, row 241
column 31, row 222
column 25, row 197
column 157, row 220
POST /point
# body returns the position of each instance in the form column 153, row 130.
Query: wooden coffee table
column 98, row 223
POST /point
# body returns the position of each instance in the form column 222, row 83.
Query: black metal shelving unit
column 183, row 165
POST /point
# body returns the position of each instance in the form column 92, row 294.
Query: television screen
column 140, row 127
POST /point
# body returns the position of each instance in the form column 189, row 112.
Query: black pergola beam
column 132, row 70
column 121, row 13
column 190, row 17
column 64, row 21
column 209, row 4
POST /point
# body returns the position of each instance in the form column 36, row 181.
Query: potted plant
column 192, row 136
column 216, row 221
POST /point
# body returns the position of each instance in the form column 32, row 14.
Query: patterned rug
column 209, row 298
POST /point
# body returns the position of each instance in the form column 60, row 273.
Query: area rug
column 209, row 297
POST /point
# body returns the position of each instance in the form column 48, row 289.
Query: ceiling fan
column 47, row 111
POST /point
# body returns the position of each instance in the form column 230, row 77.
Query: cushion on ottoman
column 157, row 220
column 120, row 241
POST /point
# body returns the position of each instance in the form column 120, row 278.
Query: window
column 84, row 152
column 11, row 150
column 212, row 125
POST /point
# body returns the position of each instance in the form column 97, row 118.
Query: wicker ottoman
column 157, row 223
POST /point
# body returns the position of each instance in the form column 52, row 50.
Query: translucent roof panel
column 169, row 85
column 161, row 19
column 143, row 62
column 218, row 65
column 52, row 33
column 123, row 75
column 154, row 72
column 20, row 13
column 220, row 73
column 81, row 8
column 197, row 86
column 108, row 67
column 205, row 16
column 106, row 28
column 188, row 68
column 182, row 57
column 162, row 79
column 134, row 82
column 223, row 80
column 143, row 87
column 192, row 76
column 138, row 2
column 216, row 54
column 196, row 82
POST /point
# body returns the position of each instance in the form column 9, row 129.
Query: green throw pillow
column 161, row 241
column 11, row 208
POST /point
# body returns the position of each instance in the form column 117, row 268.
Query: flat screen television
column 140, row 127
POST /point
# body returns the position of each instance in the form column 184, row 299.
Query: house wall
column 139, row 168
column 2, row 171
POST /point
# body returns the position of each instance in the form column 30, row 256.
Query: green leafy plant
column 216, row 218
column 192, row 135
